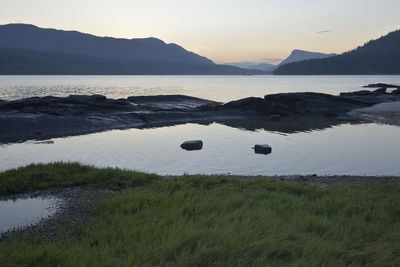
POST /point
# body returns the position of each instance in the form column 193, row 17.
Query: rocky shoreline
column 40, row 118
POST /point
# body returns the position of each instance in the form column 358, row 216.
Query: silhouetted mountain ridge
column 253, row 66
column 379, row 56
column 29, row 62
column 27, row 49
column 30, row 37
column 300, row 55
column 295, row 55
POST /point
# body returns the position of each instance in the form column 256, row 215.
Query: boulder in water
column 192, row 145
column 262, row 149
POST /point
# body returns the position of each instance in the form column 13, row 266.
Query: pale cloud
column 324, row 31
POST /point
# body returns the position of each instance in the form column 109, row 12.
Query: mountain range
column 27, row 49
column 380, row 56
column 300, row 55
column 295, row 56
column 254, row 66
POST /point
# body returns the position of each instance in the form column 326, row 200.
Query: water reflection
column 352, row 149
column 287, row 125
column 16, row 213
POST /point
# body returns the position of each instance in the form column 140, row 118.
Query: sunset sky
column 222, row 30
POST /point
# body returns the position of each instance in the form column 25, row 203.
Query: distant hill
column 27, row 49
column 30, row 37
column 254, row 66
column 380, row 56
column 295, row 55
column 29, row 62
column 300, row 55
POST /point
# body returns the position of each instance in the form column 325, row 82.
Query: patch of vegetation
column 44, row 176
column 225, row 221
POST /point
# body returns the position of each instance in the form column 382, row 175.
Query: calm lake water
column 219, row 88
column 353, row 149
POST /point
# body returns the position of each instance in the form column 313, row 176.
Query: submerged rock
column 46, row 142
column 192, row 145
column 262, row 149
column 378, row 85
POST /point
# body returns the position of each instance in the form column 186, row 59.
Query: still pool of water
column 352, row 149
column 21, row 212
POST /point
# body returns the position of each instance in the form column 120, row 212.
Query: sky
column 222, row 30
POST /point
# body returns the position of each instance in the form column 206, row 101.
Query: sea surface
column 218, row 88
column 299, row 147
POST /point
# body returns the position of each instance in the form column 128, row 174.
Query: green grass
column 44, row 176
column 223, row 221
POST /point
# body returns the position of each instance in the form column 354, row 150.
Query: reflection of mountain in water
column 287, row 126
column 284, row 126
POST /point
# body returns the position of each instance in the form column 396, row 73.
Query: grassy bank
column 45, row 176
column 215, row 220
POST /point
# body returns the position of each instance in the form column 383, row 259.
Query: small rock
column 192, row 145
column 262, row 149
column 47, row 142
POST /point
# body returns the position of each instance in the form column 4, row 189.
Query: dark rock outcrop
column 396, row 92
column 381, row 90
column 169, row 102
column 297, row 104
column 371, row 97
column 380, row 85
column 99, row 104
column 357, row 93
column 48, row 117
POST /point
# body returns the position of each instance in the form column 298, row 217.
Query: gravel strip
column 328, row 181
column 322, row 181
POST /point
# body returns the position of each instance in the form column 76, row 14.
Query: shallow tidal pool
column 345, row 149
